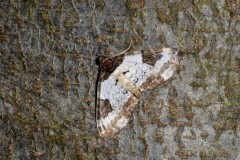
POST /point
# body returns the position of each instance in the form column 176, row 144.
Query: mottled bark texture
column 48, row 79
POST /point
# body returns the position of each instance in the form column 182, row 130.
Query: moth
column 121, row 80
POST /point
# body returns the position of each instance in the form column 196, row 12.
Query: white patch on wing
column 135, row 58
column 137, row 71
column 122, row 122
column 165, row 58
column 115, row 93
column 167, row 73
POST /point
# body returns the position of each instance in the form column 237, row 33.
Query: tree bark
column 48, row 79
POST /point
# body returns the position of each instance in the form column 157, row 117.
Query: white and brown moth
column 121, row 80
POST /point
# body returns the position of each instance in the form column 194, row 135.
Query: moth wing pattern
column 121, row 80
column 114, row 107
column 151, row 67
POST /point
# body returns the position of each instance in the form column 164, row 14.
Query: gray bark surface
column 48, row 79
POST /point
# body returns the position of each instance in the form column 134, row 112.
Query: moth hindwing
column 121, row 80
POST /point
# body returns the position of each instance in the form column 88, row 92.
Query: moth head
column 105, row 63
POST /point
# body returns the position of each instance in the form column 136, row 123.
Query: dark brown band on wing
column 126, row 112
column 151, row 56
column 180, row 53
column 104, row 108
column 151, row 82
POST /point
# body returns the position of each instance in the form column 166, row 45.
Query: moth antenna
column 126, row 49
